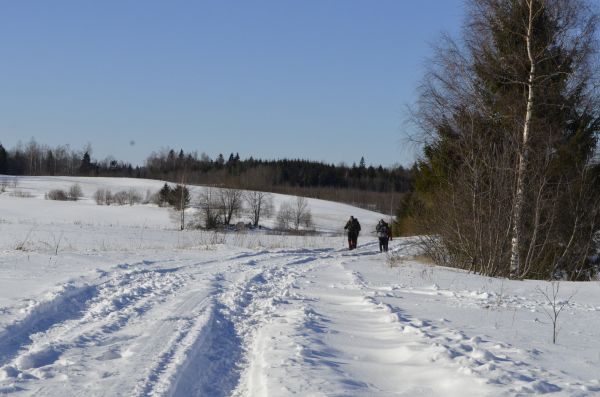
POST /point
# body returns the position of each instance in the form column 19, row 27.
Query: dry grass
column 396, row 260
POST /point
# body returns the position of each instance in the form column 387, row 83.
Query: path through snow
column 256, row 323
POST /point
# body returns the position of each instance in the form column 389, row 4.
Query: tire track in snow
column 67, row 303
column 211, row 366
column 112, row 305
column 287, row 354
column 203, row 356
column 185, row 331
column 255, row 304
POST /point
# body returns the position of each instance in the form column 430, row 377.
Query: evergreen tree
column 164, row 195
column 3, row 160
column 179, row 197
column 220, row 161
column 86, row 164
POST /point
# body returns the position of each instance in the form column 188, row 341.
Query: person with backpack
column 353, row 228
column 383, row 232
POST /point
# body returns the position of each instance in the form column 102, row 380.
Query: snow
column 108, row 301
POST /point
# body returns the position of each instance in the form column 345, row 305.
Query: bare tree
column 294, row 214
column 302, row 215
column 555, row 304
column 75, row 192
column 285, row 216
column 209, row 208
column 258, row 205
column 230, row 203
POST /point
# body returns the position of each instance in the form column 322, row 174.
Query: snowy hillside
column 114, row 301
column 327, row 216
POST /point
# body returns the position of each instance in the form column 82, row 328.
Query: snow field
column 127, row 306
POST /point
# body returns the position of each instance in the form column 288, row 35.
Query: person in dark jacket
column 353, row 228
column 383, row 232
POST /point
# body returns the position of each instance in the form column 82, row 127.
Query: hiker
column 383, row 232
column 353, row 228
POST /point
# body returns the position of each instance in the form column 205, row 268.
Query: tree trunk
column 517, row 210
column 182, row 203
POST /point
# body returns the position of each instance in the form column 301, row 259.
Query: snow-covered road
column 310, row 322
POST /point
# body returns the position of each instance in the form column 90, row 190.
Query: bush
column 100, row 196
column 133, row 197
column 285, row 216
column 57, row 194
column 108, row 197
column 294, row 214
column 75, row 192
column 105, row 197
column 121, row 198
column 20, row 194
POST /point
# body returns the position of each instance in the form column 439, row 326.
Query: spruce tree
column 164, row 194
column 179, row 197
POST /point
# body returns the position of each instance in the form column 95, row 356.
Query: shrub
column 285, row 216
column 133, row 197
column 100, row 196
column 108, row 197
column 121, row 198
column 57, row 194
column 21, row 194
column 75, row 192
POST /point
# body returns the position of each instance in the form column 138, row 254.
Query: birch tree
column 515, row 256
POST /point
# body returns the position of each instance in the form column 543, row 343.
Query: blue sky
column 323, row 80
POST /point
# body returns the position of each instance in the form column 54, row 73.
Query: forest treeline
column 377, row 188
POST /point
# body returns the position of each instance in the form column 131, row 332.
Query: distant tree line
column 36, row 159
column 286, row 172
column 358, row 184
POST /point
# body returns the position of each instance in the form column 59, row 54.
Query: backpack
column 356, row 225
column 383, row 230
